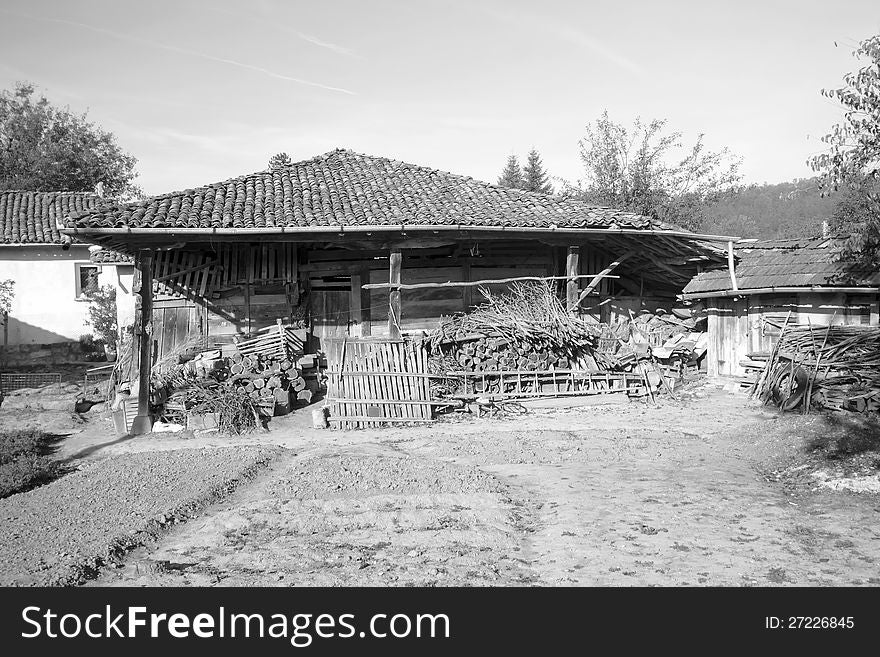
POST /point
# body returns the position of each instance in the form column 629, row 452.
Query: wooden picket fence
column 377, row 381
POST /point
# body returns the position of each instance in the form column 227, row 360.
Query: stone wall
column 55, row 353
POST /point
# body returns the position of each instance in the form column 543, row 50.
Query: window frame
column 77, row 278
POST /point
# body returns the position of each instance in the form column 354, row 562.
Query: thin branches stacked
column 527, row 313
column 842, row 365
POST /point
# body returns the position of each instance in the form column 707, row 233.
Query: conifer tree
column 512, row 176
column 535, row 179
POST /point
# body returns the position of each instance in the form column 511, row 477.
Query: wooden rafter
column 594, row 283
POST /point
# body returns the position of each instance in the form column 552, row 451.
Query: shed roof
column 343, row 188
column 804, row 262
column 31, row 217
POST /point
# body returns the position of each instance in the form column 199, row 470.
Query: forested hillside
column 790, row 209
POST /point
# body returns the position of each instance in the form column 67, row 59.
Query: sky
column 203, row 91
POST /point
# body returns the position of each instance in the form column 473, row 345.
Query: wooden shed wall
column 235, row 289
column 737, row 328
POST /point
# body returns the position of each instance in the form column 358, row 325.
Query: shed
column 772, row 278
column 343, row 244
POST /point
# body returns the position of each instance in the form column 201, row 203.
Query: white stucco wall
column 45, row 308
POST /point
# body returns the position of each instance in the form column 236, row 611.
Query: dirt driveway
column 712, row 491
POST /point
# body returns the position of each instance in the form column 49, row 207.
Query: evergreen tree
column 535, row 179
column 512, row 176
column 279, row 160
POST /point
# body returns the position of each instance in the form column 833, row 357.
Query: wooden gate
column 375, row 381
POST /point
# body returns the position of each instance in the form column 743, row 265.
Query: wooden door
column 176, row 323
column 330, row 314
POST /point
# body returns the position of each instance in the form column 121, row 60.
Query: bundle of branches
column 528, row 313
column 839, row 366
column 238, row 412
column 177, row 354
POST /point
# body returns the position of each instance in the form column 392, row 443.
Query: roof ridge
column 40, row 191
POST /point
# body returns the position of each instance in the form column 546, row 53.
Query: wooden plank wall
column 728, row 326
column 246, row 287
column 175, row 321
column 233, row 290
column 738, row 328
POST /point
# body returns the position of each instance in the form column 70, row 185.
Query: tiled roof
column 785, row 263
column 346, row 188
column 30, row 217
column 109, row 256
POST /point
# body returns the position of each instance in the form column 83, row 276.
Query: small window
column 86, row 279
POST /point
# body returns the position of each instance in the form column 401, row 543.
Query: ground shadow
column 846, row 435
column 92, row 449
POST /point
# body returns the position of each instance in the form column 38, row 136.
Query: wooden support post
column 366, row 314
column 356, row 317
column 731, row 267
column 467, row 296
column 572, row 269
column 144, row 332
column 394, row 293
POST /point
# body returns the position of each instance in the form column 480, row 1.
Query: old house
column 52, row 273
column 331, row 243
column 799, row 279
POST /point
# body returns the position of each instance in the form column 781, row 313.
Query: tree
column 44, row 147
column 102, row 314
column 647, row 170
column 279, row 160
column 7, row 294
column 512, row 176
column 535, row 179
column 852, row 161
column 770, row 211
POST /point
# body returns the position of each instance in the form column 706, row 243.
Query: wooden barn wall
column 231, row 290
column 235, row 289
column 421, row 309
column 738, row 328
column 175, row 321
column 728, row 327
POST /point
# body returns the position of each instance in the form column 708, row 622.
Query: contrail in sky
column 183, row 51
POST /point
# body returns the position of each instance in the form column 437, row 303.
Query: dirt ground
column 709, row 489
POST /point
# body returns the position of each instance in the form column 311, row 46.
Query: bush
column 102, row 314
column 23, row 461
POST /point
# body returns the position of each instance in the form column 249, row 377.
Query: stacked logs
column 274, row 383
column 490, row 354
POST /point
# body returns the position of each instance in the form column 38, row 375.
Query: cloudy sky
column 201, row 90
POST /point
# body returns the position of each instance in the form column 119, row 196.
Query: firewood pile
column 270, row 371
column 526, row 342
column 830, row 367
column 529, row 317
